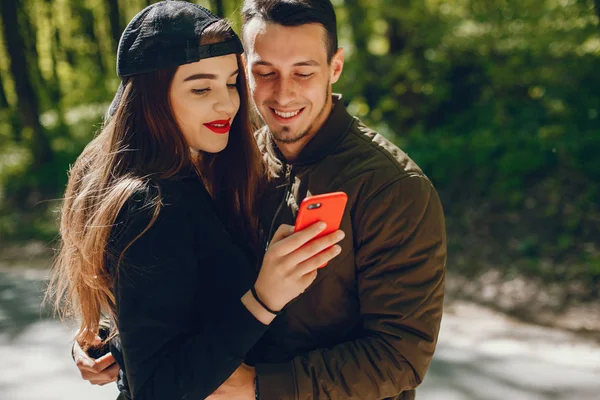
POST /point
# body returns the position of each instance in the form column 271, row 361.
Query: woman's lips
column 220, row 126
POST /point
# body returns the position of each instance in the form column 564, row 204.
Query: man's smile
column 288, row 115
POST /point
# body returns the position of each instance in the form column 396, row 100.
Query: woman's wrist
column 262, row 303
column 256, row 309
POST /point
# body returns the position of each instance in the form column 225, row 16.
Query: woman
column 159, row 219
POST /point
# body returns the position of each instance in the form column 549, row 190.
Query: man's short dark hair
column 296, row 13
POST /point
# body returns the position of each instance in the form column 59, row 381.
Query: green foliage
column 496, row 100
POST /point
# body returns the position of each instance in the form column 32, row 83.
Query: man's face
column 290, row 78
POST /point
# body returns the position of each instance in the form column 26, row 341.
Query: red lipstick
column 221, row 126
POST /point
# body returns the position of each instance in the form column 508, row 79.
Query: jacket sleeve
column 170, row 350
column 400, row 245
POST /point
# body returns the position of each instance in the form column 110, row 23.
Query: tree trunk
column 87, row 23
column 27, row 101
column 360, row 27
column 114, row 18
column 54, row 84
column 51, row 85
column 56, row 92
column 361, row 32
column 218, row 7
column 28, row 30
column 3, row 99
column 396, row 37
column 597, row 7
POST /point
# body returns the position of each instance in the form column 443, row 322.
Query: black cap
column 167, row 34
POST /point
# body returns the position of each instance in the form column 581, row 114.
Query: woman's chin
column 211, row 148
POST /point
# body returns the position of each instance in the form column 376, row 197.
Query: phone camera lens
column 313, row 206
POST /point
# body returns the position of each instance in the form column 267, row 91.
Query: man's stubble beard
column 280, row 136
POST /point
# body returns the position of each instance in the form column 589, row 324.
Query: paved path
column 481, row 355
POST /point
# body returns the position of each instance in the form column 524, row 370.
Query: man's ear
column 336, row 65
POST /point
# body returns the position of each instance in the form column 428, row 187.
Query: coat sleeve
column 170, row 349
column 400, row 245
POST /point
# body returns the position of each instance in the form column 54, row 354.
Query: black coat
column 183, row 329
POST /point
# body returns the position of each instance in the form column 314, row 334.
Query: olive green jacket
column 368, row 326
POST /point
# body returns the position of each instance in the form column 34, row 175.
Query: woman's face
column 205, row 100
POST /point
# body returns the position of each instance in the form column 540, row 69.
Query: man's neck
column 291, row 151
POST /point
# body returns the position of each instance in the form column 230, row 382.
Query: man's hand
column 239, row 386
column 99, row 371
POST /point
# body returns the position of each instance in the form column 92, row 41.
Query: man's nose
column 284, row 91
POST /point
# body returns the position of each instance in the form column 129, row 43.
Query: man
column 368, row 326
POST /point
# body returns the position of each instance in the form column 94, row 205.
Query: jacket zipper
column 288, row 186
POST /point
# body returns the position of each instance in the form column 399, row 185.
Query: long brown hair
column 138, row 145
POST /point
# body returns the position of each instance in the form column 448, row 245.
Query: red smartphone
column 328, row 207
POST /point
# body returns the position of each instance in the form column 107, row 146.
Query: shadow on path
column 481, row 355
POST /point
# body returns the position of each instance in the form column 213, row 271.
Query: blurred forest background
column 498, row 101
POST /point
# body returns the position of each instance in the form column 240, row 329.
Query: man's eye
column 200, row 91
column 305, row 76
column 268, row 74
column 232, row 85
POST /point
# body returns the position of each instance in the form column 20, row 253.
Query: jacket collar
column 324, row 141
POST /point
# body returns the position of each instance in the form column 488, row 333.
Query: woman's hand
column 291, row 262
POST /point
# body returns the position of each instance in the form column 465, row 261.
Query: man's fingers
column 82, row 360
column 104, row 362
column 100, row 383
column 108, row 375
column 103, row 369
column 97, row 341
column 112, row 373
column 86, row 363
